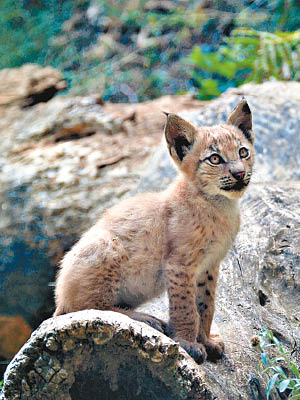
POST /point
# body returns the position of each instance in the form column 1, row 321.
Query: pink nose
column 238, row 175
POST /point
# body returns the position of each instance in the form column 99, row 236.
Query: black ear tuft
column 241, row 117
column 246, row 109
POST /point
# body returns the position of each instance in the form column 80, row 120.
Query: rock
column 102, row 355
column 29, row 85
column 53, row 163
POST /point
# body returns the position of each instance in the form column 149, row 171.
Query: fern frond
column 277, row 54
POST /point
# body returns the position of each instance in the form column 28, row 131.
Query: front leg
column 184, row 317
column 205, row 299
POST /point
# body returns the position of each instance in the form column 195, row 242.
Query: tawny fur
column 172, row 240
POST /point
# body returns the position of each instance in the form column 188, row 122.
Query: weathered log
column 102, row 355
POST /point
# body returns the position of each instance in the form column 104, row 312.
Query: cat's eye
column 244, row 153
column 215, row 159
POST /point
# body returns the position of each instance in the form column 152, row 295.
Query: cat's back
column 139, row 212
column 139, row 223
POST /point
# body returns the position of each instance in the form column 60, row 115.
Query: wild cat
column 172, row 240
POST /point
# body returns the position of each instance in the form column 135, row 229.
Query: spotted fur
column 172, row 240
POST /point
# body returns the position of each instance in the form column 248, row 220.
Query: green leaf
column 265, row 67
column 295, row 396
column 272, row 57
column 289, row 36
column 271, row 384
column 250, row 55
column 288, row 53
column 197, row 57
column 210, row 86
column 246, row 62
column 279, row 370
column 295, row 370
column 283, row 385
column 264, row 359
column 244, row 31
column 272, row 51
column 227, row 69
column 247, row 41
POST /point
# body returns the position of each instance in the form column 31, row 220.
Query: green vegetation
column 29, row 29
column 276, row 362
column 138, row 56
column 26, row 29
column 247, row 55
column 130, row 50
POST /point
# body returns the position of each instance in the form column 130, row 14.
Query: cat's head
column 217, row 159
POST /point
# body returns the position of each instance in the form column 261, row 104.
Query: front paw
column 214, row 346
column 194, row 349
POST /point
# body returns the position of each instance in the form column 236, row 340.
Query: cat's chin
column 233, row 194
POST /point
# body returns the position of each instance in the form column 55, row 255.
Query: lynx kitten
column 174, row 239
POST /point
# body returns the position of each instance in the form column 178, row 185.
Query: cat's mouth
column 236, row 187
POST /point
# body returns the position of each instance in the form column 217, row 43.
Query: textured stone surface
column 29, row 85
column 61, row 164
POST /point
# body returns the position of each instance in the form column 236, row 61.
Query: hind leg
column 90, row 274
column 103, row 297
column 100, row 294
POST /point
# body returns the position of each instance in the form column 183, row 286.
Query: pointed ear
column 241, row 117
column 180, row 136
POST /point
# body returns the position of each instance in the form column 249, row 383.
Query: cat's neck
column 186, row 190
column 230, row 206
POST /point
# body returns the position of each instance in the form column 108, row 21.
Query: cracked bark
column 102, row 355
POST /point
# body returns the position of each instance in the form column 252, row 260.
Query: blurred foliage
column 133, row 50
column 27, row 28
column 247, row 55
column 264, row 43
column 138, row 56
